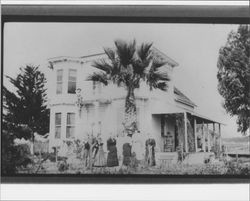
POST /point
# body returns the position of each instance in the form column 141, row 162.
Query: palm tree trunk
column 130, row 122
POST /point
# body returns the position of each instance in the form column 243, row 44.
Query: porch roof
column 199, row 117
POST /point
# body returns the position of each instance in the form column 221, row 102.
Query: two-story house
column 79, row 107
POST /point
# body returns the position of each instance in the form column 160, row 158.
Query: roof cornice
column 81, row 60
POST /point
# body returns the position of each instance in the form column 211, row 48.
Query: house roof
column 160, row 55
column 157, row 53
column 173, row 109
column 180, row 97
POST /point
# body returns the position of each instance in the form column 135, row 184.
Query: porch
column 194, row 135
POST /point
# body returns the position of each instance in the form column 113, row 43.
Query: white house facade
column 79, row 108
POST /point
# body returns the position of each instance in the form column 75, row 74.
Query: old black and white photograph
column 125, row 99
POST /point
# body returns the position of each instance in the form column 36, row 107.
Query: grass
column 240, row 167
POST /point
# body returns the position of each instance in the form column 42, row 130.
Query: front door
column 168, row 135
column 169, row 142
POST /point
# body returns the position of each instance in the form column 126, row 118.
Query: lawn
column 219, row 167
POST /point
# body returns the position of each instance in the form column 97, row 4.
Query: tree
column 126, row 66
column 234, row 76
column 25, row 109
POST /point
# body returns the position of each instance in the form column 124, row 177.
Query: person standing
column 150, row 151
column 120, row 141
column 127, row 147
column 112, row 159
column 100, row 160
column 86, row 153
column 95, row 149
column 138, row 147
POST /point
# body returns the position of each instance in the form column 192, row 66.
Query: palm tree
column 127, row 66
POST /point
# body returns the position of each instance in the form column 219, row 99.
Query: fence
column 42, row 147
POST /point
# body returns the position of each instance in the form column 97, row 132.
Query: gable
column 181, row 98
column 163, row 57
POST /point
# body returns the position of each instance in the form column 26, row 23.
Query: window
column 72, row 81
column 58, row 118
column 59, row 81
column 70, row 130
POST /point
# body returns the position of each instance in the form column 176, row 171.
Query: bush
column 13, row 157
column 63, row 166
column 8, row 165
column 22, row 155
column 236, row 168
column 52, row 157
column 212, row 169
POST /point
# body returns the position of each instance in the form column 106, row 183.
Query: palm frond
column 156, row 79
column 156, row 64
column 98, row 77
column 110, row 53
column 137, row 80
column 102, row 65
column 128, row 65
column 119, row 80
column 153, row 84
column 116, row 69
column 162, row 86
column 144, row 51
column 162, row 76
column 139, row 68
column 125, row 51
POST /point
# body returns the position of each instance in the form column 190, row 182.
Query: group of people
column 128, row 150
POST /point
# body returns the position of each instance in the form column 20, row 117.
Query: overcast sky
column 194, row 46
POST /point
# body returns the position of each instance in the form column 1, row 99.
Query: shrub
column 52, row 157
column 8, row 165
column 22, row 155
column 63, row 166
column 13, row 157
column 212, row 169
column 237, row 168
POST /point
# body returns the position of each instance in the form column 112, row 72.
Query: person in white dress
column 120, row 141
column 138, row 145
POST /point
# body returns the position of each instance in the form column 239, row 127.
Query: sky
column 194, row 46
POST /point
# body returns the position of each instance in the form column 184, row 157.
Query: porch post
column 195, row 135
column 186, row 136
column 203, row 138
column 208, row 139
column 214, row 138
column 220, row 137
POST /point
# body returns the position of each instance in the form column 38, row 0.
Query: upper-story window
column 58, row 123
column 70, row 130
column 72, row 81
column 59, row 81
